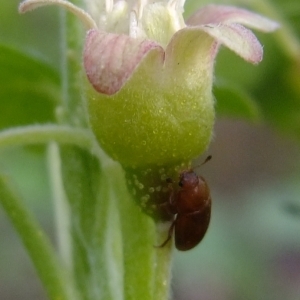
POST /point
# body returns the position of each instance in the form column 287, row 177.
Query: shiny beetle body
column 191, row 205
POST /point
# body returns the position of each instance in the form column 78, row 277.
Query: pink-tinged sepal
column 217, row 14
column 238, row 39
column 110, row 59
column 190, row 58
column 191, row 52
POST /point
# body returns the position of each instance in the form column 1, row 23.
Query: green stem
column 108, row 236
column 72, row 40
column 163, row 269
column 146, row 268
column 36, row 243
column 61, row 207
column 41, row 134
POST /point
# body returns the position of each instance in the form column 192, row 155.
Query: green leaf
column 279, row 96
column 234, row 102
column 29, row 89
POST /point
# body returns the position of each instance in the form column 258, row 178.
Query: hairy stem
column 37, row 244
column 41, row 134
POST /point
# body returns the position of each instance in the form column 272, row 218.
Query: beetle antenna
column 208, row 158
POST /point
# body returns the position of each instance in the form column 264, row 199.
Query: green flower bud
column 150, row 101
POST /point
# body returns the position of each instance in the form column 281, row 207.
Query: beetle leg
column 171, row 203
column 170, row 233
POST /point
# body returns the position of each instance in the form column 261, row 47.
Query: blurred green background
column 252, row 249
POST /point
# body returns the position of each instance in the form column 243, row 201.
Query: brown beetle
column 192, row 205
